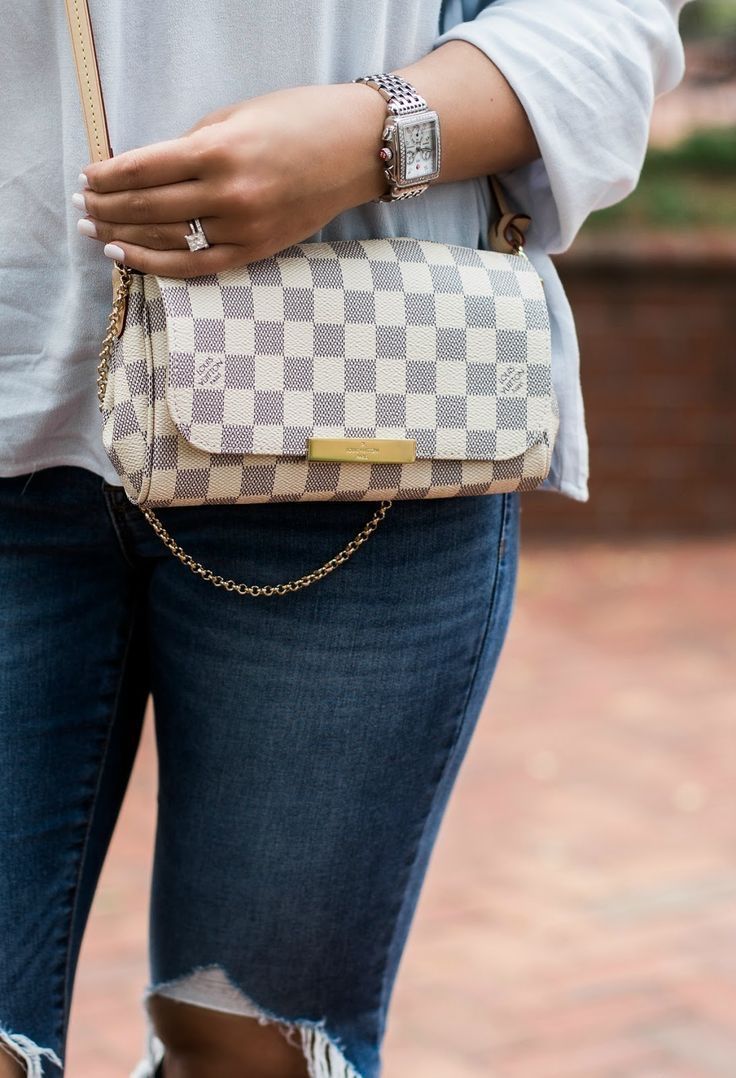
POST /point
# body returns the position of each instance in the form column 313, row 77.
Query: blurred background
column 579, row 917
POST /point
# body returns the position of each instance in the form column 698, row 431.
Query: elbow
column 655, row 25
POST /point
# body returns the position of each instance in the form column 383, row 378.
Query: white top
column 586, row 71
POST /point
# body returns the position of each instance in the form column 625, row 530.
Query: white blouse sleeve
column 586, row 73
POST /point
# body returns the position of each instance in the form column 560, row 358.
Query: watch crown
column 385, row 153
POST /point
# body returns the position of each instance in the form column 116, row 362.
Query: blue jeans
column 307, row 745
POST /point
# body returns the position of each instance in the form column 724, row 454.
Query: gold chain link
column 256, row 590
column 118, row 306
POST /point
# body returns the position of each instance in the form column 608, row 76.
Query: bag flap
column 389, row 338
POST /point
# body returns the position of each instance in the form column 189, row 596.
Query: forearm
column 483, row 127
column 271, row 170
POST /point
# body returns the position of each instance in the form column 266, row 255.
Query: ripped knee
column 210, row 987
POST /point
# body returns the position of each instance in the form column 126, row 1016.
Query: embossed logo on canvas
column 209, row 372
column 511, row 379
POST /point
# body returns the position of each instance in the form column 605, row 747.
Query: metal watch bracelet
column 402, row 99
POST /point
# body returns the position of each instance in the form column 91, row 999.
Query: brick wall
column 656, row 320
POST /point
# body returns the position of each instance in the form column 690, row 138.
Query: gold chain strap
column 114, row 326
column 256, row 590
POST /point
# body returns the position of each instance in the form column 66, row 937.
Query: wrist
column 365, row 117
column 410, row 139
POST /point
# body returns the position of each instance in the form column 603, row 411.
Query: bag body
column 424, row 366
column 358, row 370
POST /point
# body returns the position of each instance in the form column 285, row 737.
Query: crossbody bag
column 371, row 370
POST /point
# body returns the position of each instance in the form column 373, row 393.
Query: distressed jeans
column 307, row 745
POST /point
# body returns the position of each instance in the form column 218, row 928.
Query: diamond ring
column 195, row 237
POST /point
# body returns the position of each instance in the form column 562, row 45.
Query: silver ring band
column 196, row 238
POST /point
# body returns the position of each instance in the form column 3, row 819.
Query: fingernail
column 79, row 202
column 82, row 180
column 113, row 251
column 86, row 227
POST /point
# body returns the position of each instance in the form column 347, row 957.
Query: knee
column 10, row 1065
column 204, row 1043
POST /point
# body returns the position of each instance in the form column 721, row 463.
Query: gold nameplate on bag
column 373, row 450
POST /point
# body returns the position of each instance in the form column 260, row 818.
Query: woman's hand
column 260, row 175
column 272, row 170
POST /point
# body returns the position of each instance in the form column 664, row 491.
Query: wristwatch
column 410, row 141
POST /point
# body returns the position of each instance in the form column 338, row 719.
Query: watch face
column 419, row 150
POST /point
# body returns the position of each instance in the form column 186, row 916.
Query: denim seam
column 118, row 531
column 449, row 755
column 88, row 827
column 500, row 556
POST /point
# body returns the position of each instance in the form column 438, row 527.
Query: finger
column 150, row 205
column 158, row 237
column 146, row 166
column 214, row 259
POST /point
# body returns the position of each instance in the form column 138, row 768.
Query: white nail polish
column 79, row 202
column 113, row 251
column 82, row 180
column 86, row 227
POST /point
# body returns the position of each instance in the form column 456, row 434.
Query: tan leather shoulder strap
column 88, row 76
column 506, row 231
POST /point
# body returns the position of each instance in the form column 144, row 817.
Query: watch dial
column 420, row 150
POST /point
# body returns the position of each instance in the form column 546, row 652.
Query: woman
column 307, row 745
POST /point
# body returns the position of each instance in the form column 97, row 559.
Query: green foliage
column 707, row 18
column 708, row 151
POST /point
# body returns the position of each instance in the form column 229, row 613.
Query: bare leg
column 10, row 1066
column 204, row 1043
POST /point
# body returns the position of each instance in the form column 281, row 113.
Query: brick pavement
column 579, row 918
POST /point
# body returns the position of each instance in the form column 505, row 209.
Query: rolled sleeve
column 587, row 73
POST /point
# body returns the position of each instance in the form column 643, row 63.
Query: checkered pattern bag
column 225, row 389
column 217, row 383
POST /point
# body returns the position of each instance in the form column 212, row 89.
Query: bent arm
column 563, row 107
column 552, row 96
